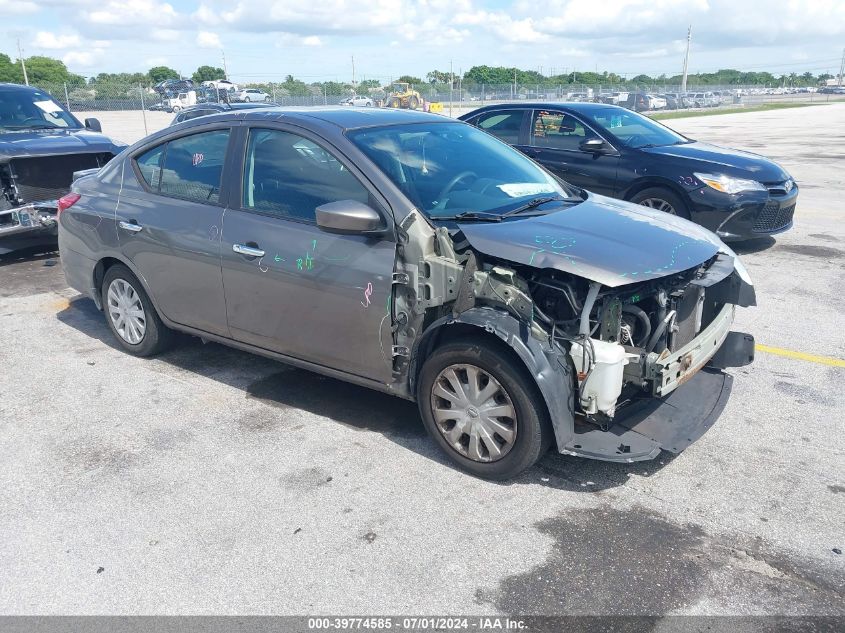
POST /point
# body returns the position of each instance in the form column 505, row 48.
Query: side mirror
column 93, row 125
column 593, row 145
column 348, row 216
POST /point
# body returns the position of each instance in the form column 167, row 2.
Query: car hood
column 717, row 159
column 51, row 142
column 608, row 241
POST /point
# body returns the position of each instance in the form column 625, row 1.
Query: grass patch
column 763, row 107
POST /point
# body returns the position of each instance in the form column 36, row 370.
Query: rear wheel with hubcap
column 131, row 316
column 482, row 409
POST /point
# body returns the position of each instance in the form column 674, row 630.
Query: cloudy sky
column 315, row 40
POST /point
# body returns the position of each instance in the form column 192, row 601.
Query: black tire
column 394, row 102
column 157, row 337
column 413, row 102
column 266, row 99
column 668, row 196
column 533, row 433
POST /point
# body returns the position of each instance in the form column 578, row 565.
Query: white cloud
column 13, row 7
column 312, row 40
column 83, row 59
column 134, row 13
column 207, row 39
column 165, row 35
column 156, row 61
column 46, row 39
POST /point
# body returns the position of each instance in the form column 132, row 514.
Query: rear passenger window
column 503, row 124
column 290, row 176
column 150, row 165
column 193, row 166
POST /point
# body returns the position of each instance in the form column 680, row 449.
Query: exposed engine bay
column 621, row 344
column 29, row 188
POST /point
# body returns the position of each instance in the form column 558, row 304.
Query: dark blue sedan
column 615, row 152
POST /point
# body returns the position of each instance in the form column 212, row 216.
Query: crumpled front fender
column 547, row 365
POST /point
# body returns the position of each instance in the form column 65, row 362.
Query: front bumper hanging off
column 29, row 225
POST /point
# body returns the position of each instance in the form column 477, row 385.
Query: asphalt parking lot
column 208, row 480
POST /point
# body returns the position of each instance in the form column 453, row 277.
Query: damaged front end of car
column 30, row 187
column 609, row 328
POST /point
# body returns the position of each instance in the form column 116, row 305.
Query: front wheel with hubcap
column 661, row 199
column 482, row 409
column 131, row 316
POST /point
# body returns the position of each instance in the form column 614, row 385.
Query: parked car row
column 642, row 101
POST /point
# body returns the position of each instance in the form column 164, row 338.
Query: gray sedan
column 424, row 258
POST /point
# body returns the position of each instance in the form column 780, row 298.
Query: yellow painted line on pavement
column 788, row 353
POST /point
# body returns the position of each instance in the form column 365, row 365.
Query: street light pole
column 23, row 64
column 686, row 61
column 451, row 86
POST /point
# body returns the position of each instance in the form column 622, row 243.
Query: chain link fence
column 130, row 111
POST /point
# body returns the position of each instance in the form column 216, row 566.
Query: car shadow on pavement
column 28, row 255
column 282, row 386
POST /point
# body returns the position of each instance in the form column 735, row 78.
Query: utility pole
column 353, row 71
column 225, row 70
column 451, row 86
column 23, row 64
column 686, row 61
column 841, row 68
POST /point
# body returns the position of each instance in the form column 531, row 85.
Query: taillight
column 66, row 202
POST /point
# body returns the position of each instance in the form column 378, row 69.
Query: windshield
column 32, row 109
column 635, row 130
column 450, row 168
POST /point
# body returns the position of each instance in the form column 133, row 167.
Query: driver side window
column 557, row 130
column 290, row 176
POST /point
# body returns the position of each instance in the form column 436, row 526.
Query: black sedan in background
column 615, row 152
column 204, row 109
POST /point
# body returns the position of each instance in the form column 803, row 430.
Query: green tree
column 336, row 87
column 414, row 81
column 208, row 73
column 10, row 71
column 438, row 77
column 160, row 73
column 296, row 88
column 46, row 70
column 367, row 84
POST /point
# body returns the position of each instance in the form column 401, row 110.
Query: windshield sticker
column 197, row 159
column 48, row 106
column 615, row 121
column 521, row 189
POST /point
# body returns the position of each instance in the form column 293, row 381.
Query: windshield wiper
column 486, row 216
column 37, row 126
column 531, row 204
column 471, row 215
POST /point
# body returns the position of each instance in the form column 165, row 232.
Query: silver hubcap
column 658, row 204
column 474, row 413
column 126, row 311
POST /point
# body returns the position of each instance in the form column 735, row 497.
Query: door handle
column 250, row 251
column 132, row 227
